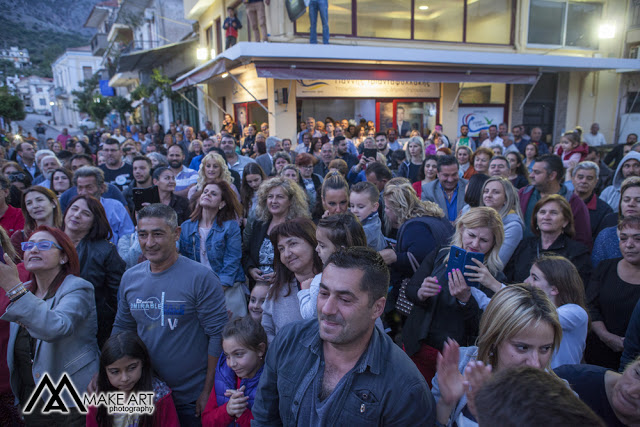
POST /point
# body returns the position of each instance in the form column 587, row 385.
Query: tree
column 11, row 106
column 84, row 97
column 99, row 109
column 122, row 105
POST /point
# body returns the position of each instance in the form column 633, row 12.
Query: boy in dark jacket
column 231, row 25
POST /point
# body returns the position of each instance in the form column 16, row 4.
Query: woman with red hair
column 53, row 322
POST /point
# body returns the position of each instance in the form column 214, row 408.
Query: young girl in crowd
column 252, row 177
column 125, row 366
column 244, row 344
column 258, row 295
column 560, row 280
column 571, row 150
column 332, row 232
column 335, row 194
column 363, row 203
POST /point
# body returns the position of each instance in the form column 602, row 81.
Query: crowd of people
column 342, row 275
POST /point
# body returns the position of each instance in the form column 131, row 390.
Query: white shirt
column 498, row 142
column 594, row 140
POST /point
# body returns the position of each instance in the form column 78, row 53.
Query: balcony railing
column 98, row 44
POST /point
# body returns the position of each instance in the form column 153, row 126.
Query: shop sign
column 366, row 89
column 250, row 80
column 479, row 118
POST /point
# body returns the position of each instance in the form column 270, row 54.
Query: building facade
column 556, row 64
column 71, row 68
column 19, row 57
column 34, row 92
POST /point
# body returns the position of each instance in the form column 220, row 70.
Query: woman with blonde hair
column 213, row 167
column 520, row 327
column 278, row 200
column 443, row 304
column 500, row 194
column 414, row 156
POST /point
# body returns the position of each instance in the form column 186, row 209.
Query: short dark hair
column 338, row 139
column 526, row 396
column 367, row 188
column 499, row 157
column 159, row 210
column 247, row 332
column 493, row 126
column 83, row 156
column 379, row 170
column 344, row 229
column 381, row 134
column 552, row 163
column 447, row 160
column 111, row 141
column 143, row 158
column 375, row 280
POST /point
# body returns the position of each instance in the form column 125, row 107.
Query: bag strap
column 413, row 261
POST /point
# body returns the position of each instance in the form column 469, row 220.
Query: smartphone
column 370, row 152
column 145, row 195
column 461, row 259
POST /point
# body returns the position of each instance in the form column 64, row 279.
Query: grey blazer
column 265, row 163
column 432, row 192
column 65, row 328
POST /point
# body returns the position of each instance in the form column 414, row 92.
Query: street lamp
column 201, row 54
column 607, row 30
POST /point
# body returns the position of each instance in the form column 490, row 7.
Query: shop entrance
column 250, row 112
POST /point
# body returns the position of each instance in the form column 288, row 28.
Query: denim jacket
column 224, row 248
column 385, row 387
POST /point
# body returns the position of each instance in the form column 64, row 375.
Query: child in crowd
column 125, row 366
column 571, row 150
column 363, row 203
column 332, row 232
column 244, row 344
column 231, row 24
column 258, row 295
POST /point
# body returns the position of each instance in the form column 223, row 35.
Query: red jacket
column 217, row 416
column 12, row 220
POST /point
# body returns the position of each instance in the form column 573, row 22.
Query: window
column 564, row 23
column 42, row 102
column 466, row 21
column 87, row 72
column 633, row 102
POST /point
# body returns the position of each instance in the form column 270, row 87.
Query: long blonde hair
column 225, row 175
column 511, row 310
column 400, row 196
column 296, row 195
column 482, row 217
column 512, row 201
column 415, row 140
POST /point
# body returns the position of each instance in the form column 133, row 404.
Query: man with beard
column 185, row 177
column 141, row 178
column 116, row 171
column 340, row 368
column 465, row 139
column 342, row 152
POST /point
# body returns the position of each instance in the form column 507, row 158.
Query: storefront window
column 410, row 116
column 564, row 23
column 483, row 93
column 339, row 19
column 486, row 21
column 440, row 20
column 390, row 19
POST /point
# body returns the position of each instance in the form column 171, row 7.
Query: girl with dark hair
column 165, row 180
column 530, row 155
column 125, row 366
column 333, row 232
column 295, row 261
column 559, row 279
column 473, row 191
column 40, row 206
column 244, row 344
column 53, row 322
column 518, row 174
column 86, row 224
column 61, row 180
column 212, row 237
column 252, row 177
column 427, row 173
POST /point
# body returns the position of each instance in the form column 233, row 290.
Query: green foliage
column 84, row 98
column 99, row 109
column 162, row 82
column 122, row 105
column 141, row 92
column 11, row 106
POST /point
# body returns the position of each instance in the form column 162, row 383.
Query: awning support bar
column 526, row 97
column 192, row 104
column 211, row 99
column 455, row 101
column 254, row 98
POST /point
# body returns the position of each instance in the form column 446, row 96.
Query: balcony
column 60, row 92
column 98, row 44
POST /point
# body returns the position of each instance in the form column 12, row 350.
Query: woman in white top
column 560, row 280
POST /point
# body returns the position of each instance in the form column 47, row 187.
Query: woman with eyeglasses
column 53, row 323
column 86, row 224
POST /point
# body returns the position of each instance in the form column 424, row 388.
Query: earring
column 62, row 262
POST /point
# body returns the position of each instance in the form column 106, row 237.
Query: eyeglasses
column 43, row 245
column 13, row 177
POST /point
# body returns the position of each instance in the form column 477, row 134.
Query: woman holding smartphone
column 443, row 304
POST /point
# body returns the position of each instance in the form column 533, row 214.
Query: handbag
column 403, row 305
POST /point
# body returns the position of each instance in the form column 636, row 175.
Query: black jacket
column 101, row 265
column 519, row 266
column 598, row 211
column 252, row 239
column 440, row 317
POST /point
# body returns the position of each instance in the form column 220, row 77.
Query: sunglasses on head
column 43, row 245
